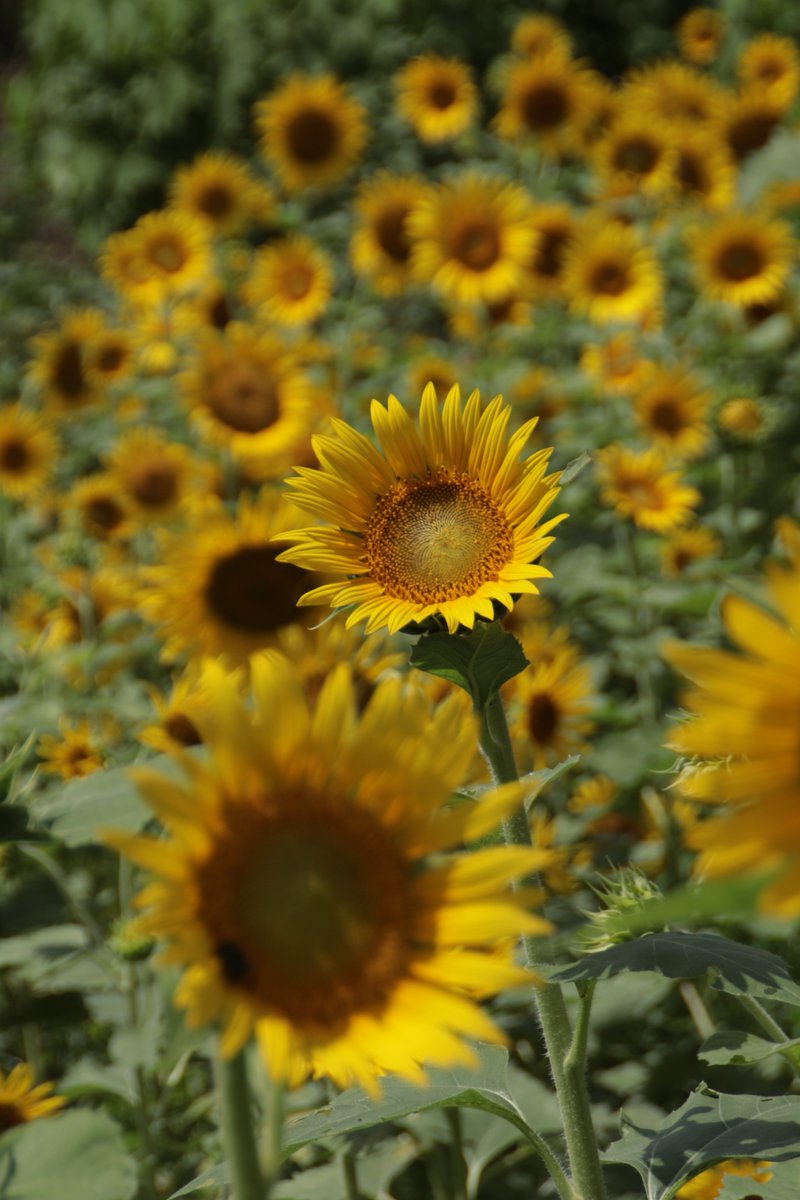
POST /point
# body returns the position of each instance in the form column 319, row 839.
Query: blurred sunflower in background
column 551, row 701
column 23, row 1100
column 380, row 248
column 610, row 274
column 555, row 225
column 73, row 752
column 290, row 282
column 154, row 476
column 639, row 486
column 671, row 409
column 59, row 368
column 219, row 189
column 770, row 65
column 746, row 121
column 536, row 34
column 436, row 96
column 742, row 257
column 687, row 546
column 28, row 450
column 703, row 172
column 175, row 249
column 635, row 156
column 541, row 101
column 103, row 511
column 700, row 32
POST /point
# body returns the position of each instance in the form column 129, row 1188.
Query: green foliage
column 733, row 1047
column 74, row 1156
column 480, row 661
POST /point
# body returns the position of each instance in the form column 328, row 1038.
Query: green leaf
column 480, row 661
column 215, row 1177
column 573, row 469
column 706, row 1130
column 735, row 1047
column 77, row 1155
column 735, row 968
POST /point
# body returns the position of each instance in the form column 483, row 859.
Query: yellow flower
column 610, row 274
column 536, row 34
column 219, row 190
column 439, row 372
column 445, row 521
column 124, row 268
column 741, row 416
column 595, row 793
column 638, row 486
column 616, row 365
column 380, row 248
column 102, row 510
column 636, row 155
column 671, row 409
column 699, row 34
column 543, row 98
column 742, row 257
column 178, row 715
column 217, row 588
column 297, row 891
column 770, row 65
column 176, row 252
column 555, row 225
column 597, row 114
column 549, row 702
column 154, row 476
column 315, row 653
column 290, row 281
column 703, row 172
column 708, row 1184
column 59, row 364
column 22, row 1101
column 108, row 356
column 28, row 450
column 436, row 96
column 673, row 93
column 746, row 122
column 311, row 131
column 210, row 308
column 479, row 322
column 473, row 238
column 72, row 754
column 745, row 732
column 686, row 546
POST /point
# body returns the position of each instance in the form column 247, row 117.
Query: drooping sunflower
column 636, row 155
column 746, row 121
column 742, row 257
column 154, row 475
column 770, row 65
column 610, row 274
column 616, row 365
column 290, row 281
column 59, row 362
column 687, row 546
column 550, row 701
column 298, row 890
column 639, row 486
column 699, row 34
column 536, row 34
column 310, row 130
column 219, row 190
column 246, row 391
column 436, row 96
column 709, row 1184
column 671, row 409
column 73, row 753
column 444, row 522
column 555, row 225
column 472, row 238
column 218, row 587
column 703, row 171
column 176, row 250
column 104, row 512
column 380, row 248
column 745, row 734
column 21, row 1100
column 28, row 450
column 542, row 99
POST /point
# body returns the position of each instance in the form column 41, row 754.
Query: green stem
column 272, row 1142
column 350, row 1175
column 458, row 1166
column 568, row 1073
column 237, row 1129
column 643, row 619
column 576, row 1055
column 767, row 1023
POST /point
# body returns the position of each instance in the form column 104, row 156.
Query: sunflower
column 218, row 587
column 103, row 511
column 598, row 792
column 536, row 34
column 22, row 1101
column 542, row 99
column 28, row 449
column 742, row 416
column 315, row 653
column 671, row 409
column 709, row 1184
column 124, row 268
column 440, row 372
column 770, row 65
column 444, row 521
column 247, row 392
column 178, row 715
column 616, row 365
column 597, row 114
column 742, row 258
column 473, row 238
column 638, row 486
column 478, row 322
column 155, row 476
column 635, row 155
column 108, row 356
column 176, row 250
column 217, row 189
column 703, row 172
column 290, row 281
column 555, row 225
column 311, row 131
column 59, row 365
column 673, row 93
column 699, row 35
column 747, row 121
column 436, row 96
column 687, row 546
column 159, row 335
column 610, row 274
column 550, row 701
column 380, row 248
column 73, row 753
column 308, row 888
column 210, row 308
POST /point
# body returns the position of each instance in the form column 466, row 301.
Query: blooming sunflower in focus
column 771, row 66
column 639, row 486
column 311, row 131
column 59, row 365
column 699, row 34
column 542, row 99
column 536, row 34
column 312, row 890
column 380, row 248
column 217, row 189
column 28, row 450
column 611, row 275
column 446, row 521
column 742, row 257
column 745, row 734
column 436, row 96
column 709, row 1184
column 21, row 1100
column 290, row 281
column 473, row 238
column 218, row 587
column 671, row 409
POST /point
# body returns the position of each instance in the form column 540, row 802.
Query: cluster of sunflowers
column 620, row 261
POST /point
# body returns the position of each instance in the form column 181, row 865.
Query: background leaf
column 480, row 662
column 75, row 1156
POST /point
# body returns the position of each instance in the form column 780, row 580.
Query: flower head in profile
column 313, row 888
column 446, row 521
column 22, row 1100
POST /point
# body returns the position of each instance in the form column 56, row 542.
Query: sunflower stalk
column 238, row 1138
column 566, row 1054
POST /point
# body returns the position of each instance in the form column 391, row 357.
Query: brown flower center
column 68, row 376
column 608, row 279
column 15, row 455
column 436, row 539
column 252, row 593
column 637, row 156
column 10, row 1117
column 219, row 313
column 244, row 396
column 750, row 133
column 692, row 174
column 740, row 260
column 297, row 281
column 182, row 729
column 442, row 94
column 550, row 253
column 216, row 201
column 544, row 107
column 312, row 137
column 104, row 512
column 390, row 232
column 477, row 245
column 154, row 484
column 110, row 357
column 543, row 718
column 666, row 418
column 167, row 253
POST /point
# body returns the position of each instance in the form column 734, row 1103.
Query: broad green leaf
column 708, row 1129
column 215, row 1177
column 735, row 968
column 480, row 661
column 76, row 1155
column 737, row 1048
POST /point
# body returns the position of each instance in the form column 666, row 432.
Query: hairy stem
column 237, row 1129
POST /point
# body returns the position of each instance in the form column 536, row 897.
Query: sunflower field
column 400, row 654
